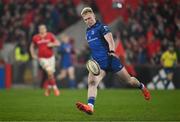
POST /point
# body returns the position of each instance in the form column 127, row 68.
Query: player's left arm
column 109, row 38
column 54, row 42
column 163, row 58
column 110, row 41
column 105, row 31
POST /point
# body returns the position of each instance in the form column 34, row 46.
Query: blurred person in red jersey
column 121, row 53
column 153, row 44
column 45, row 41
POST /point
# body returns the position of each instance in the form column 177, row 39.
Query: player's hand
column 34, row 57
column 112, row 53
column 50, row 45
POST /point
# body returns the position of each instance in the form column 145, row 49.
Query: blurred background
column 143, row 30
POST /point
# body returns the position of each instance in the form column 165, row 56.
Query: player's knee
column 170, row 76
column 91, row 83
column 71, row 76
column 62, row 75
column 50, row 74
column 132, row 81
column 127, row 80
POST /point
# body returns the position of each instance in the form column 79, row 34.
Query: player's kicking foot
column 56, row 92
column 84, row 108
column 146, row 93
column 47, row 92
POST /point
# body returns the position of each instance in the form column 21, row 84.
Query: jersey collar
column 96, row 24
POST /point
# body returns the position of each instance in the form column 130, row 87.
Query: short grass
column 111, row 105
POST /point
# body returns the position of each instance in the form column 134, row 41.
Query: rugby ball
column 93, row 67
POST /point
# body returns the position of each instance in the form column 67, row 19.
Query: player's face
column 42, row 29
column 171, row 49
column 65, row 38
column 89, row 19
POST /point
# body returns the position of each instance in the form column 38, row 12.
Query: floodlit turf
column 111, row 105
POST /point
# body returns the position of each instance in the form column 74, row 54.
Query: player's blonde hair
column 86, row 10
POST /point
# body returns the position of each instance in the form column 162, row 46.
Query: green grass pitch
column 111, row 105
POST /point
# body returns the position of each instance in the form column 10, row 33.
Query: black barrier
column 145, row 73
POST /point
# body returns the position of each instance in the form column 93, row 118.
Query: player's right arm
column 109, row 38
column 54, row 42
column 163, row 58
column 32, row 51
column 104, row 30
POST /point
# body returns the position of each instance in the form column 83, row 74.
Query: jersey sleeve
column 34, row 40
column 104, row 29
column 163, row 56
column 53, row 38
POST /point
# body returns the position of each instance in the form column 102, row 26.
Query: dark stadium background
column 142, row 29
column 134, row 23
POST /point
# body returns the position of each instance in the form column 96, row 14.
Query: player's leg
column 52, row 77
column 43, row 63
column 169, row 79
column 48, row 65
column 93, row 82
column 47, row 87
column 125, row 77
column 118, row 68
column 52, row 82
column 62, row 74
column 72, row 82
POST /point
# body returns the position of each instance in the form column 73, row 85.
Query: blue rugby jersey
column 97, row 43
column 65, row 50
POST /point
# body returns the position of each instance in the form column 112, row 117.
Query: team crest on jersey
column 43, row 41
column 92, row 32
column 106, row 28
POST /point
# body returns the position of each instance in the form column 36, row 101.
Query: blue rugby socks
column 141, row 86
column 91, row 102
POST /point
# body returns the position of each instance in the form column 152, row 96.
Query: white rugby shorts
column 48, row 64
